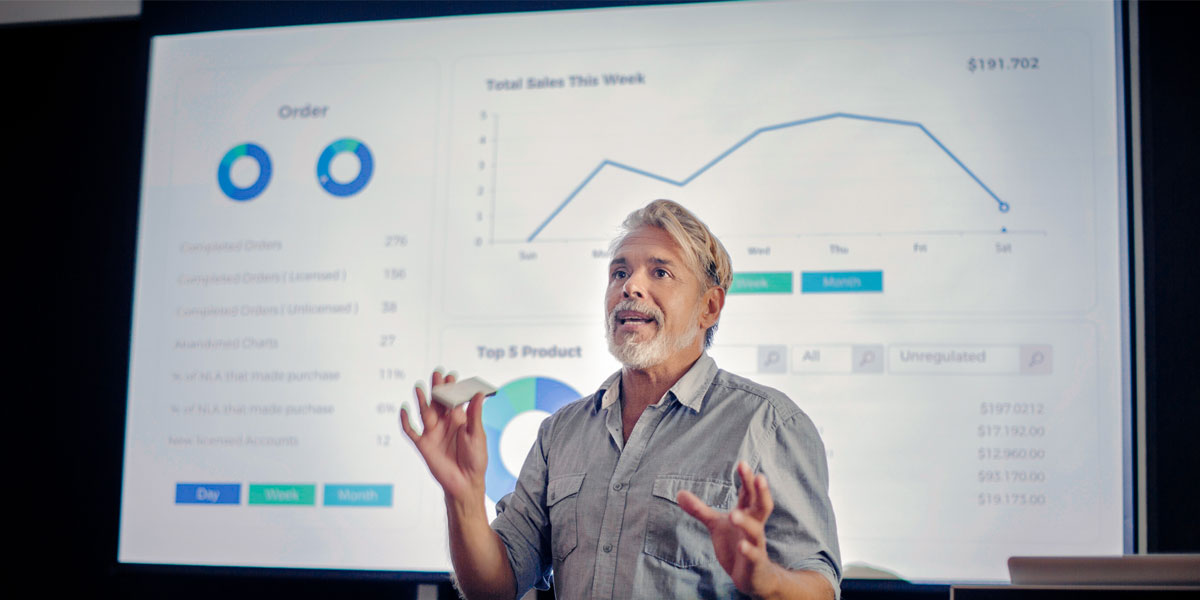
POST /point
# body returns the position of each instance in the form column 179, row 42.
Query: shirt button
column 607, row 548
column 617, row 486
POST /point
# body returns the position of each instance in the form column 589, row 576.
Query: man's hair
column 705, row 254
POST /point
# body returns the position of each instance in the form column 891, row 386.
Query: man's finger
column 696, row 507
column 752, row 552
column 408, row 428
column 458, row 418
column 475, row 414
column 428, row 414
column 423, row 410
column 748, row 485
column 750, row 527
column 765, row 503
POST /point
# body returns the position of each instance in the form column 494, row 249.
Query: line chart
column 1001, row 205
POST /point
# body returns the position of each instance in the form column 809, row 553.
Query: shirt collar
column 689, row 390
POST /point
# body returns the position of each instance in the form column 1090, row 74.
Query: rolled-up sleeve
column 523, row 522
column 801, row 532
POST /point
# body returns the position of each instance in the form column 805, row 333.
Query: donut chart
column 516, row 397
column 366, row 166
column 230, row 189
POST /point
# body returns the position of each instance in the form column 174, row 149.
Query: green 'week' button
column 283, row 493
column 777, row 282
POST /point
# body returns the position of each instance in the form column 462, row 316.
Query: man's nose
column 633, row 287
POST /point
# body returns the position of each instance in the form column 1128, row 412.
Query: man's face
column 654, row 301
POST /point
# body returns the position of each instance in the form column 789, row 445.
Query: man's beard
column 654, row 351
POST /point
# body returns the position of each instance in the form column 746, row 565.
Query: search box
column 764, row 359
column 817, row 359
column 823, row 358
column 736, row 359
column 958, row 359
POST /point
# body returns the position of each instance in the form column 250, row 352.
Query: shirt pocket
column 674, row 536
column 562, row 495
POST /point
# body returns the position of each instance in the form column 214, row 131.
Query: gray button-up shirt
column 601, row 510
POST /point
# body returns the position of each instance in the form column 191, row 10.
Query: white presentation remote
column 451, row 395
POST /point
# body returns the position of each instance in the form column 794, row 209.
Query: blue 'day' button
column 843, row 282
column 208, row 493
column 357, row 495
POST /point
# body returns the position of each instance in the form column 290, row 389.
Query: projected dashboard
column 923, row 204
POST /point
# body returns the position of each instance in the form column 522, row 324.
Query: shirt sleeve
column 801, row 531
column 523, row 521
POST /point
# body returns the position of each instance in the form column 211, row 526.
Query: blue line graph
column 1000, row 204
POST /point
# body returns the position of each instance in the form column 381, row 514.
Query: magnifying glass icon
column 868, row 357
column 1036, row 359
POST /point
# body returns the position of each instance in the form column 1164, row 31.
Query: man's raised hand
column 739, row 536
column 454, row 447
column 452, row 442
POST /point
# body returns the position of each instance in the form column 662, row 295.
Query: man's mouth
column 625, row 317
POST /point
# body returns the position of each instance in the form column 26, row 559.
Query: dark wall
column 73, row 106
column 1170, row 96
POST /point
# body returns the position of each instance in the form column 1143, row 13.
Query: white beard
column 654, row 351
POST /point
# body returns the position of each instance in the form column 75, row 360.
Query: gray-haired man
column 603, row 494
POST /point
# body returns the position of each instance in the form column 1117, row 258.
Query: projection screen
column 924, row 203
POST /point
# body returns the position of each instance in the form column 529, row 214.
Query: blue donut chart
column 529, row 393
column 250, row 192
column 366, row 166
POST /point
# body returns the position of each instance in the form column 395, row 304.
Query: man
column 603, row 493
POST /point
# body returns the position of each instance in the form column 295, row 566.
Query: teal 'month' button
column 840, row 282
column 779, row 282
column 357, row 495
column 282, row 493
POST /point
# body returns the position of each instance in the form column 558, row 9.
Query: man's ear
column 713, row 301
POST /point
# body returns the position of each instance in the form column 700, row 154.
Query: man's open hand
column 452, row 443
column 739, row 536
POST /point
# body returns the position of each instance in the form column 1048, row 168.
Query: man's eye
column 618, row 274
column 661, row 273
